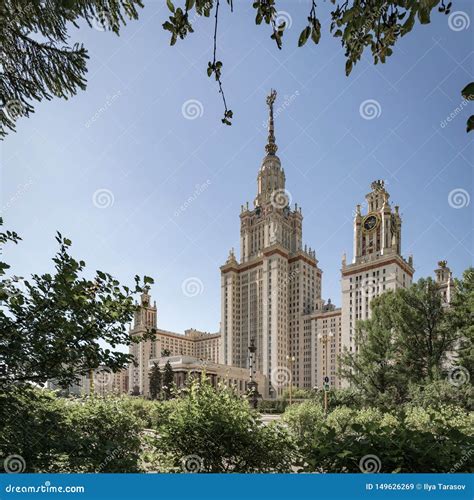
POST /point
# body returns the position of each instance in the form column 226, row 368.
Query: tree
column 460, row 316
column 165, row 353
column 168, row 379
column 54, row 326
column 371, row 368
column 423, row 337
column 407, row 340
column 155, row 381
column 37, row 62
column 40, row 67
column 359, row 24
column 214, row 430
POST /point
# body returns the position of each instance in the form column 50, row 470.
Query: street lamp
column 324, row 339
column 291, row 360
column 252, row 385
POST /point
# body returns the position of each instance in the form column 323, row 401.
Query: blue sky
column 127, row 134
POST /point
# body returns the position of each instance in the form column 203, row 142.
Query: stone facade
column 277, row 281
column 194, row 343
column 271, row 296
column 185, row 367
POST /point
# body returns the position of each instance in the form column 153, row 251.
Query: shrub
column 104, row 436
column 55, row 434
column 214, row 430
column 272, row 405
column 411, row 440
column 441, row 392
column 33, row 426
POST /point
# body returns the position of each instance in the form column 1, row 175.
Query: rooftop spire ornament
column 271, row 147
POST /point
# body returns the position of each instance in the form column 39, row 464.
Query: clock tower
column 377, row 264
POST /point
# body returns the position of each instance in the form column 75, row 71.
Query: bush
column 104, row 436
column 272, row 405
column 33, row 426
column 214, row 430
column 54, row 434
column 411, row 440
column 441, row 392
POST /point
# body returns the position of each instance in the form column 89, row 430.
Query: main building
column 271, row 296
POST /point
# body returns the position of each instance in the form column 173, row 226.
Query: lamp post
column 324, row 339
column 252, row 385
column 291, row 360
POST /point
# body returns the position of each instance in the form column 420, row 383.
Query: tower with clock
column 377, row 264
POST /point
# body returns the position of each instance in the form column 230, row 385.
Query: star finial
column 271, row 148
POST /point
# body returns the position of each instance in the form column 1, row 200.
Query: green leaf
column 170, row 5
column 468, row 91
column 470, row 123
column 189, row 4
column 304, row 36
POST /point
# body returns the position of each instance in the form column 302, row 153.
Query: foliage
column 412, row 439
column 460, row 318
column 103, row 437
column 168, row 380
column 376, row 25
column 297, row 393
column 54, row 326
column 55, row 434
column 441, row 392
column 214, row 430
column 468, row 94
column 155, row 381
column 407, row 340
column 37, row 61
column 153, row 414
column 341, row 397
column 272, row 405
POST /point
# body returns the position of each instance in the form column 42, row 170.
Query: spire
column 271, row 147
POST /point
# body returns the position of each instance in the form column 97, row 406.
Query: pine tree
column 155, row 381
column 371, row 368
column 37, row 62
column 460, row 317
column 168, row 379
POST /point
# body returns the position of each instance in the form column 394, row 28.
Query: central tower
column 276, row 282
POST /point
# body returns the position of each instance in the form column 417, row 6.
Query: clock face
column 370, row 222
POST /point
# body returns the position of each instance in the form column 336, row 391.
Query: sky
column 141, row 175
